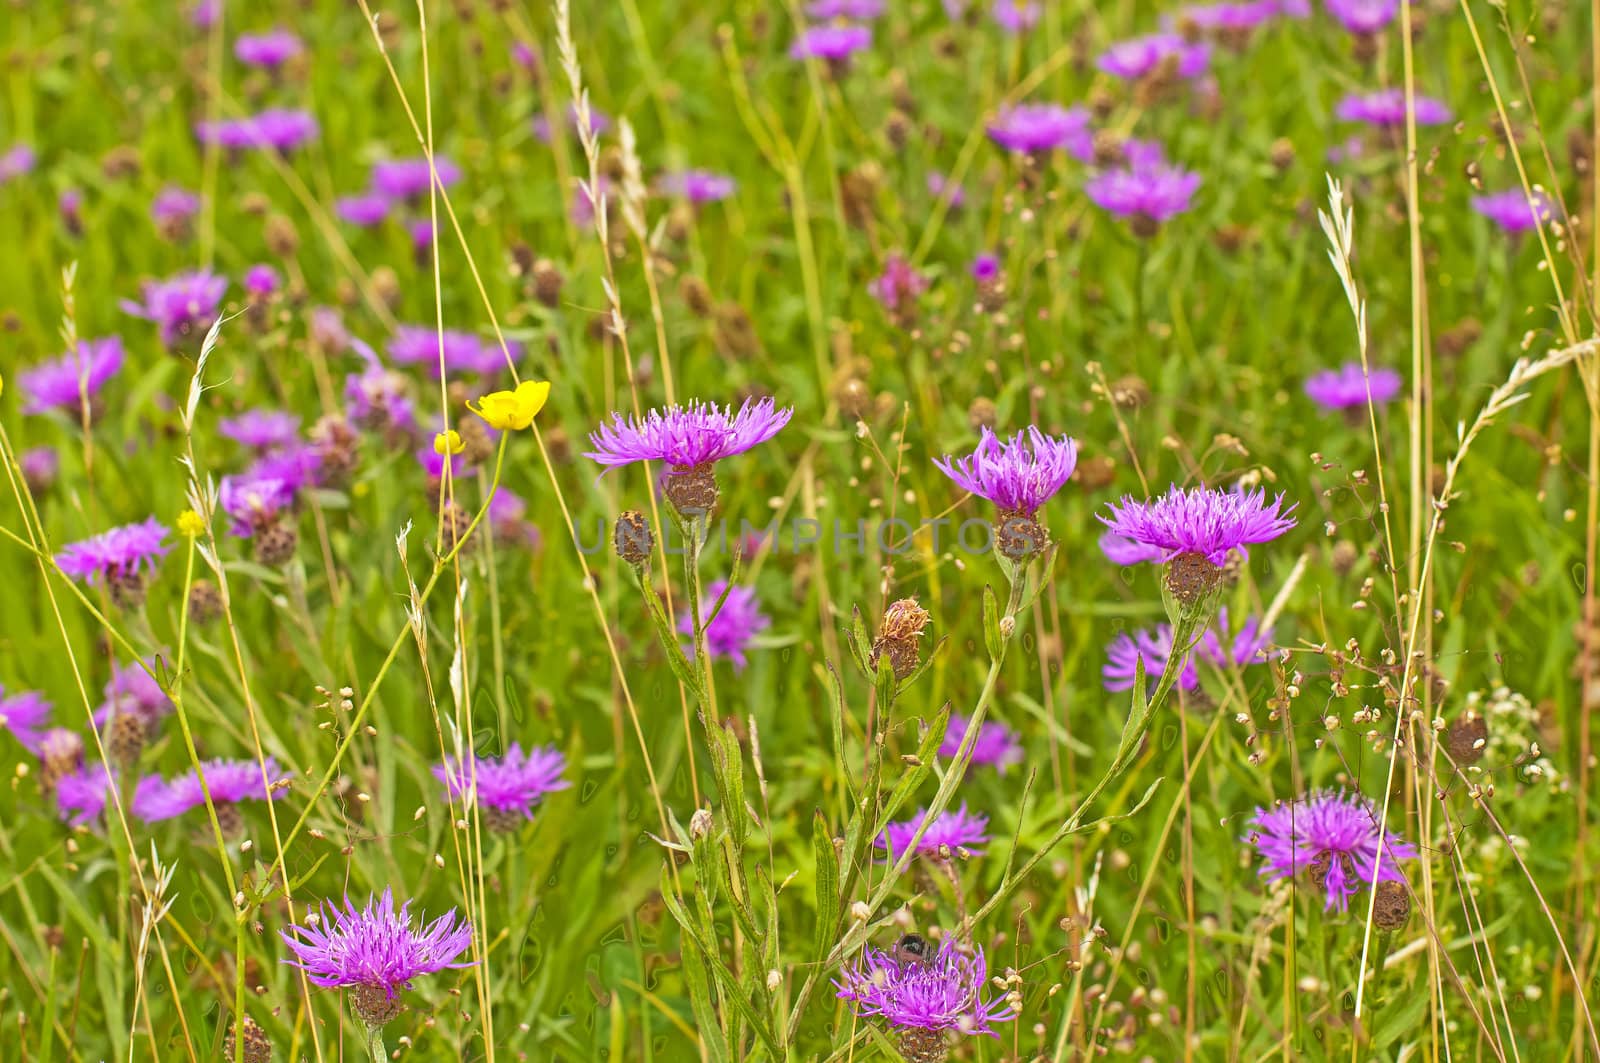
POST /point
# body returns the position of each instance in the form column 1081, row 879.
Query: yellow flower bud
column 191, row 524
column 448, row 442
column 513, row 409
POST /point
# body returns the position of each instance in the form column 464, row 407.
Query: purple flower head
column 1513, row 210
column 298, row 466
column 409, row 178
column 1018, row 475
column 464, row 352
column 377, row 946
column 686, row 436
column 1154, row 647
column 253, row 503
column 954, row 829
column 365, row 210
column 730, row 632
column 376, row 397
column 1346, row 387
column 943, row 992
column 1364, row 16
column 1335, row 836
column 115, row 554
column 1121, row 551
column 506, row 513
column 1030, row 128
column 1147, row 195
column 599, row 123
column 203, row 13
column 174, row 206
column 261, row 430
column 25, row 715
column 1231, row 17
column 133, row 691
column 81, row 795
column 229, row 781
column 941, row 185
column 421, row 232
column 1237, row 649
column 898, row 286
column 512, row 783
column 996, row 744
column 1200, row 520
column 39, row 466
column 986, row 268
column 70, row 204
column 1386, row 108
column 281, row 129
column 56, row 384
column 860, row 10
column 834, row 43
column 183, row 305
column 1017, row 16
column 432, row 463
column 234, row 134
column 16, row 161
column 696, row 186
column 261, row 280
column 270, row 49
column 1137, row 57
column 523, row 55
column 328, row 330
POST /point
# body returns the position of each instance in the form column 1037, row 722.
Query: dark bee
column 912, row 950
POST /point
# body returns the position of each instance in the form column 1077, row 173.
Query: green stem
column 375, row 1044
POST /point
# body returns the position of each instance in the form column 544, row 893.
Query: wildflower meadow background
column 822, row 530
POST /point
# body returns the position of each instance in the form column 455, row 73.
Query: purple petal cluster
column 1231, row 17
column 1124, row 551
column 1347, row 387
column 17, row 161
column 1016, row 16
column 1513, row 210
column 174, row 206
column 25, row 715
column 1333, row 828
column 686, row 436
column 229, row 782
column 1199, row 520
column 271, row 49
column 943, row 992
column 56, row 384
column 735, row 625
column 1138, row 57
column 1154, row 647
column 464, row 352
column 599, row 123
column 81, row 795
column 1018, row 475
column 261, row 430
column 898, row 286
column 1386, row 108
column 696, row 186
column 365, row 209
column 132, row 690
column 279, row 129
column 861, row 10
column 118, row 552
column 834, row 43
column 1149, row 193
column 377, row 946
column 1032, row 128
column 405, row 179
column 377, row 397
column 1234, row 649
column 996, row 745
column 953, row 829
column 184, row 305
column 1364, row 16
column 514, row 782
column 254, row 503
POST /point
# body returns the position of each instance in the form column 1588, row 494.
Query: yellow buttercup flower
column 448, row 442
column 513, row 409
column 191, row 524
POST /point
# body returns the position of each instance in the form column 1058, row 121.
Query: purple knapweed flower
column 683, row 437
column 1386, row 108
column 1121, row 551
column 376, row 951
column 996, row 744
column 17, row 161
column 464, row 352
column 261, row 430
column 1206, row 521
column 1154, row 647
column 39, row 467
column 63, row 383
column 1230, row 18
column 898, row 286
column 133, row 691
column 696, row 186
column 230, row 782
column 1018, row 475
column 922, row 996
column 1016, row 16
column 184, row 305
column 1513, row 210
column 1034, row 128
column 599, row 123
column 506, row 514
column 282, row 128
column 261, row 281
column 409, row 178
column 376, row 398
column 1364, row 17
column 861, row 10
column 941, row 185
column 253, row 503
column 366, row 210
column 1147, row 195
column 203, row 14
column 70, row 206
column 508, row 786
column 271, row 49
column 26, row 715
column 81, row 795
column 834, row 43
column 1335, row 836
column 1346, row 388
column 173, row 206
column 953, row 829
column 298, row 465
column 735, row 625
column 115, row 556
column 985, row 268
column 1234, row 649
column 1138, row 57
